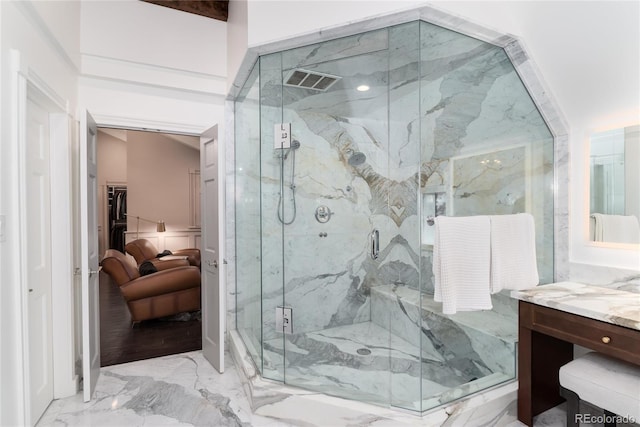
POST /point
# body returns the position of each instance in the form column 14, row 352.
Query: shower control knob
column 323, row 214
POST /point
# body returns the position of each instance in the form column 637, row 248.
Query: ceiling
column 215, row 9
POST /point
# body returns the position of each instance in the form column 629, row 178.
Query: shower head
column 357, row 158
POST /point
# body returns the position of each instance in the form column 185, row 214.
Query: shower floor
column 328, row 361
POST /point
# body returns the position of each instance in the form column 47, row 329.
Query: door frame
column 65, row 381
column 147, row 125
column 65, row 314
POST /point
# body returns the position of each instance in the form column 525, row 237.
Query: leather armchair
column 143, row 250
column 167, row 292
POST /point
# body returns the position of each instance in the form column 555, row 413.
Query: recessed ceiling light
column 362, row 88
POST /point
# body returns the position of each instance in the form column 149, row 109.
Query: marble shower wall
column 327, row 280
column 446, row 113
column 449, row 112
column 483, row 139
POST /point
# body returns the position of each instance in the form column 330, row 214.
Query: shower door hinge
column 282, row 135
column 284, row 320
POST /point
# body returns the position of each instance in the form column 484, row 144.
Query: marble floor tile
column 178, row 390
column 557, row 416
column 366, row 362
column 184, row 390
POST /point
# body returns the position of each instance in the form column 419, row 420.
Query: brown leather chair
column 143, row 250
column 167, row 292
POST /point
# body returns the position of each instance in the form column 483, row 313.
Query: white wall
column 255, row 22
column 149, row 34
column 142, row 66
column 270, row 20
column 47, row 38
column 587, row 52
column 237, row 37
column 147, row 66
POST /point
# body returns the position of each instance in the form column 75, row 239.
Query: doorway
column 143, row 178
column 212, row 290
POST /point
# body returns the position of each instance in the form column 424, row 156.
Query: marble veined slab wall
column 446, row 115
column 484, row 141
column 444, row 111
column 327, row 279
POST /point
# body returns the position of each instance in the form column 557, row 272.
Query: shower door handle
column 375, row 244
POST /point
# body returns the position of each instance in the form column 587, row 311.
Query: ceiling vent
column 310, row 80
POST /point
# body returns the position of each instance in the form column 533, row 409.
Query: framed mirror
column 614, row 183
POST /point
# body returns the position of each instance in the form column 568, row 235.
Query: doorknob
column 213, row 264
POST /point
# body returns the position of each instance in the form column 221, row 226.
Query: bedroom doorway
column 145, row 177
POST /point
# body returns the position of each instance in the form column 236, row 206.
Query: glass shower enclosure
column 345, row 152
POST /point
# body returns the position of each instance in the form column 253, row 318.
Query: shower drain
column 363, row 351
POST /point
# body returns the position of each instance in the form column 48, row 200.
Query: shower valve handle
column 375, row 244
column 323, row 214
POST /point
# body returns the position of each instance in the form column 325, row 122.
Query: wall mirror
column 614, row 182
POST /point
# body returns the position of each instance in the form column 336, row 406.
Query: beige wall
column 112, row 169
column 155, row 168
column 158, row 180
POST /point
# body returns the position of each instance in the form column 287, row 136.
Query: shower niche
column 413, row 121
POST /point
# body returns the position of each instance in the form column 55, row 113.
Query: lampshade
column 160, row 228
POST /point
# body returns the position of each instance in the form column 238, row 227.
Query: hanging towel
column 616, row 228
column 461, row 260
column 513, row 252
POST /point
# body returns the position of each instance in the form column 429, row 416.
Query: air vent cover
column 310, row 80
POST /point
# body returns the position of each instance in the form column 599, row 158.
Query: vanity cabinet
column 546, row 336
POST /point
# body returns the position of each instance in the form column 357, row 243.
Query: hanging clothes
column 117, row 210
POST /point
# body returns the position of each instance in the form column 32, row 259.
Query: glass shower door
column 388, row 129
column 247, row 217
column 337, row 104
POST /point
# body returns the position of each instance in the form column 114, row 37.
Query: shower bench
column 492, row 334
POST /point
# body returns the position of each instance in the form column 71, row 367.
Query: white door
column 38, row 256
column 89, row 250
column 213, row 312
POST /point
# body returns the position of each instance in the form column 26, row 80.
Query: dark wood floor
column 120, row 343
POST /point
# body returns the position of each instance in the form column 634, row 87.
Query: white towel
column 513, row 252
column 616, row 228
column 461, row 259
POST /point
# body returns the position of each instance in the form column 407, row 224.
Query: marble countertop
column 605, row 304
